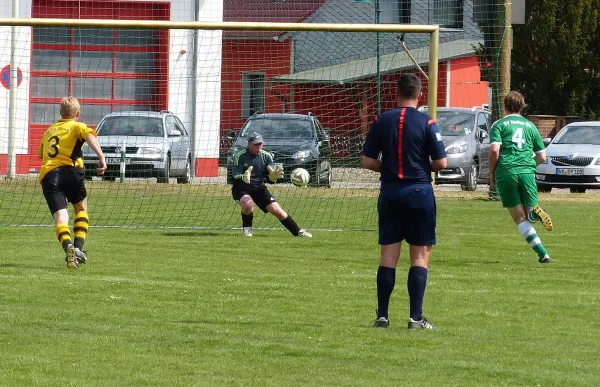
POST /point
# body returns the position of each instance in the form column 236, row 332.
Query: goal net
column 173, row 101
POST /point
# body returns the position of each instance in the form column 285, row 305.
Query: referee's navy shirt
column 406, row 139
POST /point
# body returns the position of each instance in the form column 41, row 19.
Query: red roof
column 276, row 11
column 272, row 11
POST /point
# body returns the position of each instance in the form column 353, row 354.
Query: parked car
column 294, row 140
column 156, row 145
column 465, row 132
column 573, row 159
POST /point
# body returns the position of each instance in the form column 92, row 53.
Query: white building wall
column 198, row 105
column 23, row 60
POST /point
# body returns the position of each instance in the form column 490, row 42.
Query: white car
column 573, row 159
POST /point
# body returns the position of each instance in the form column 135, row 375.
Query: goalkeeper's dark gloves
column 246, row 175
column 275, row 173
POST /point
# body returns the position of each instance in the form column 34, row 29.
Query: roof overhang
column 367, row 68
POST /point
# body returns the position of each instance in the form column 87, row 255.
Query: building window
column 253, row 93
column 104, row 68
column 404, row 11
column 448, row 13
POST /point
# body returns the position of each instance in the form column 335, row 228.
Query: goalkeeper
column 251, row 166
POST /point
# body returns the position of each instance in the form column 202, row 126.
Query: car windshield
column 579, row 135
column 279, row 128
column 131, row 126
column 455, row 123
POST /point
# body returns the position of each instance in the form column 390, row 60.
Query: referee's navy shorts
column 407, row 214
column 63, row 184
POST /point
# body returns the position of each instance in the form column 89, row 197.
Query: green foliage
column 173, row 307
column 555, row 57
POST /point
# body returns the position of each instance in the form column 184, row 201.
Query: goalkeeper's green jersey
column 519, row 139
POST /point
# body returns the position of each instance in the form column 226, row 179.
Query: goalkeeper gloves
column 275, row 173
column 246, row 175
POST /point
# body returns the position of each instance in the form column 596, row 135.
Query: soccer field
column 177, row 307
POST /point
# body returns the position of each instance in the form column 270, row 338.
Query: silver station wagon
column 156, row 144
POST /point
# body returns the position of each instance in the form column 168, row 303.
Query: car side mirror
column 325, row 135
column 547, row 141
column 231, row 135
column 175, row 133
column 483, row 135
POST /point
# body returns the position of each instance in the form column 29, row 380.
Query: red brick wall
column 549, row 125
column 239, row 56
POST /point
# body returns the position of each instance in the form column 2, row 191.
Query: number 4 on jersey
column 518, row 139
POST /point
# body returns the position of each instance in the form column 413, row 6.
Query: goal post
column 201, row 82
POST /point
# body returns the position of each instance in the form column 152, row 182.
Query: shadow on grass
column 486, row 200
column 193, row 234
column 221, row 322
column 11, row 265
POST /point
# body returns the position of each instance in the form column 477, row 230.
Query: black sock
column 386, row 279
column 78, row 242
column 247, row 220
column 291, row 225
column 66, row 244
column 416, row 283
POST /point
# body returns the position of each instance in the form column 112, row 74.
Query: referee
column 407, row 140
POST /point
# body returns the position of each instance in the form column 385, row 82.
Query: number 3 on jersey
column 53, row 144
column 518, row 139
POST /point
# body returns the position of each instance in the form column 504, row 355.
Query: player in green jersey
column 516, row 150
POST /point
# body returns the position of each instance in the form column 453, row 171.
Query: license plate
column 116, row 160
column 569, row 171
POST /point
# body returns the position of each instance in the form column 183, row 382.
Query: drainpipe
column 193, row 87
column 282, row 97
column 12, row 95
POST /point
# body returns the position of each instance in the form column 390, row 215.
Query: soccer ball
column 300, row 177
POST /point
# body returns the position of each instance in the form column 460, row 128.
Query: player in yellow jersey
column 62, row 177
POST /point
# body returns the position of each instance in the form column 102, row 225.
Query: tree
column 555, row 57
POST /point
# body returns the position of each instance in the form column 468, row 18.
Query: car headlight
column 150, row 151
column 459, row 147
column 597, row 161
column 301, row 154
column 540, row 177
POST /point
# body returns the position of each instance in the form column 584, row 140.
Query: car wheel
column 470, row 181
column 577, row 189
column 163, row 176
column 188, row 173
column 544, row 189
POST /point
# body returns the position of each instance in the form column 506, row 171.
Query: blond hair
column 514, row 102
column 69, row 106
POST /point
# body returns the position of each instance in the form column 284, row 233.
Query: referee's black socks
column 386, row 279
column 416, row 283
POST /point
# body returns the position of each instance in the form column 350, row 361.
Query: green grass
column 177, row 307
